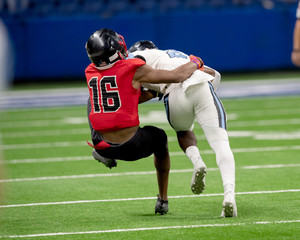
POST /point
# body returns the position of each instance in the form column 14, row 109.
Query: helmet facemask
column 123, row 51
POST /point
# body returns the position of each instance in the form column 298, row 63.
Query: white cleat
column 108, row 162
column 198, row 179
column 229, row 205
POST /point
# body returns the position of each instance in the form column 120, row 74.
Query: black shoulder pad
column 140, row 57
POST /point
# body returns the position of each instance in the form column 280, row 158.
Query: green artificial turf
column 47, row 163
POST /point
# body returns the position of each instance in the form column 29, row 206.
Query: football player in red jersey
column 115, row 88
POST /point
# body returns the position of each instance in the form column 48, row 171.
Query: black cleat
column 108, row 162
column 161, row 206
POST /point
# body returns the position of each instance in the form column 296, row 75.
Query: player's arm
column 296, row 44
column 148, row 74
column 209, row 71
column 146, row 95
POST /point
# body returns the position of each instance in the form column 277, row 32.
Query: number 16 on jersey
column 106, row 96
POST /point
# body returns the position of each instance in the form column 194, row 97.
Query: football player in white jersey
column 194, row 99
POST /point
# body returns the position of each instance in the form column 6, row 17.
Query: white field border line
column 150, row 229
column 81, row 158
column 138, row 173
column 143, row 198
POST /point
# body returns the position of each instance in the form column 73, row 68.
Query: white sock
column 192, row 152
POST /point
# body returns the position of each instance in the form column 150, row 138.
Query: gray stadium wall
column 227, row 39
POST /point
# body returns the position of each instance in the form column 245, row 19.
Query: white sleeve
column 217, row 79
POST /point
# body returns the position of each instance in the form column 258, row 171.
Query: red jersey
column 113, row 98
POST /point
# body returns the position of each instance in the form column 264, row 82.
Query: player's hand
column 198, row 62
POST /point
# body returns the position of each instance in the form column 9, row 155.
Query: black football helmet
column 106, row 46
column 142, row 45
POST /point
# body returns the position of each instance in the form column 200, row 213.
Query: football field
column 54, row 189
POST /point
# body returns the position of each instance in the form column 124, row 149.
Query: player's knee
column 161, row 137
column 161, row 142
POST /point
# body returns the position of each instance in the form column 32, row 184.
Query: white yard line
column 266, row 112
column 295, row 134
column 46, row 160
column 154, row 117
column 43, row 145
column 272, row 122
column 143, row 198
column 138, row 173
column 77, row 114
column 35, row 123
column 84, row 158
column 81, row 143
column 57, row 132
column 150, row 229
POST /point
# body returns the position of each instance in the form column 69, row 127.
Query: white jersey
column 298, row 11
column 185, row 104
column 168, row 60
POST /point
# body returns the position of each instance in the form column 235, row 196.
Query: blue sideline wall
column 227, row 39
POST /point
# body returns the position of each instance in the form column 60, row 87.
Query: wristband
column 198, row 61
column 296, row 50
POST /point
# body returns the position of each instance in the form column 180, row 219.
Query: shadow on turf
column 177, row 216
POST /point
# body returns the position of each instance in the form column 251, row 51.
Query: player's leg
column 210, row 114
column 146, row 141
column 218, row 140
column 188, row 143
column 162, row 165
column 180, row 114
